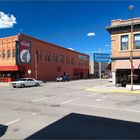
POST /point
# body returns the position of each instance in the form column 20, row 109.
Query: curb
column 93, row 89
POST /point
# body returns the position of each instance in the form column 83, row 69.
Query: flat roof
column 121, row 25
column 54, row 45
column 47, row 43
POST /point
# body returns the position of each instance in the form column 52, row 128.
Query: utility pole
column 100, row 68
column 131, row 7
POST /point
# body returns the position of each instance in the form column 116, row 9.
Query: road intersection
column 25, row 111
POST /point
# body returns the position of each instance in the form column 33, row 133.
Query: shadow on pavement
column 78, row 126
column 3, row 129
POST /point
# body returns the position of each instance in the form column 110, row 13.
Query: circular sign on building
column 25, row 56
column 29, row 71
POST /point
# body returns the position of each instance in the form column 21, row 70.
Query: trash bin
column 123, row 84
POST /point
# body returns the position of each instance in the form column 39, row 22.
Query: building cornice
column 122, row 28
column 124, row 58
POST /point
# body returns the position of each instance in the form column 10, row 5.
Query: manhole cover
column 55, row 105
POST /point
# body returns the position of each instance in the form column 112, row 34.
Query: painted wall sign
column 24, row 51
column 29, row 71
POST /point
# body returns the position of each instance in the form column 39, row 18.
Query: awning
column 126, row 64
column 9, row 68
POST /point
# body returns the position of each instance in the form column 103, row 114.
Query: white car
column 110, row 80
column 25, row 82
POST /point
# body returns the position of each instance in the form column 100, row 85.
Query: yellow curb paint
column 116, row 91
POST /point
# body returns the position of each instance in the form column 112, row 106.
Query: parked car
column 25, row 82
column 63, row 78
column 110, row 79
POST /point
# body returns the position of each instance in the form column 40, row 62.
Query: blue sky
column 66, row 23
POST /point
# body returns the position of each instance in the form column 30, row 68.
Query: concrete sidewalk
column 110, row 88
column 4, row 84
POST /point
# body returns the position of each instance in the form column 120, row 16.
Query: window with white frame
column 137, row 41
column 124, row 42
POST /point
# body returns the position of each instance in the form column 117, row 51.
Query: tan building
column 120, row 31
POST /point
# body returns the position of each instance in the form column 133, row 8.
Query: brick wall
column 7, row 44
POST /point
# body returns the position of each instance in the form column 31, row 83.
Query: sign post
column 100, row 68
column 101, row 57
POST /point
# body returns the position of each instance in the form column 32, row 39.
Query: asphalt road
column 66, row 110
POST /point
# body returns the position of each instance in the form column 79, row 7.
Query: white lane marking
column 34, row 114
column 67, row 102
column 44, row 98
column 40, row 99
column 104, row 97
column 12, row 122
column 76, row 98
column 98, row 99
column 110, row 108
column 70, row 101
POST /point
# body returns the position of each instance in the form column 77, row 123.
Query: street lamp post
column 131, row 7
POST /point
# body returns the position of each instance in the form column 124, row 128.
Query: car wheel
column 37, row 84
column 22, row 85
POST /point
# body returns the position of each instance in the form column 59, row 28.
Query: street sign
column 29, row 71
column 101, row 57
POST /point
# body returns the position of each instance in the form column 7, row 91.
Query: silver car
column 25, row 82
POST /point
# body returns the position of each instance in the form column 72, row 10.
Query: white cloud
column 107, row 45
column 6, row 20
column 70, row 48
column 91, row 34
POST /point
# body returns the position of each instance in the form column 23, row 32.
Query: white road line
column 104, row 97
column 76, row 98
column 34, row 114
column 110, row 108
column 44, row 98
column 98, row 100
column 12, row 122
column 40, row 99
column 67, row 102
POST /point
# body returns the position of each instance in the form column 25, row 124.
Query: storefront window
column 13, row 55
column 137, row 41
column 124, row 42
column 8, row 53
column 3, row 54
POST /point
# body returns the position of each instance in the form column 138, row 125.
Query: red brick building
column 21, row 53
